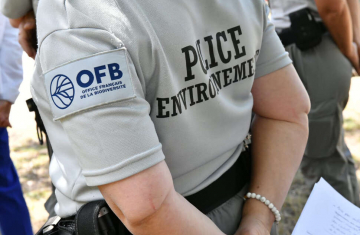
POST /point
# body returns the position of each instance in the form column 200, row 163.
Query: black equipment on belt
column 40, row 128
column 304, row 31
column 96, row 218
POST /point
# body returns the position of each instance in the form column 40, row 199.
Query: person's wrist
column 5, row 107
column 258, row 210
column 353, row 56
column 357, row 41
column 252, row 226
column 5, row 103
column 350, row 51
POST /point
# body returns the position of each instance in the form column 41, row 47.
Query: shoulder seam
column 55, row 31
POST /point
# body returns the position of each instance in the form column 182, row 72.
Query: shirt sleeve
column 272, row 55
column 11, row 74
column 113, row 138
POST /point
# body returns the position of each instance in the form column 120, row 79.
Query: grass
column 294, row 204
column 350, row 124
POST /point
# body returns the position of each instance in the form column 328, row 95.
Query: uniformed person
column 14, row 214
column 325, row 68
column 122, row 84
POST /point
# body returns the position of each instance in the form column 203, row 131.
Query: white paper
column 328, row 213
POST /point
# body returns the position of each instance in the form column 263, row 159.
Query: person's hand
column 251, row 225
column 27, row 33
column 5, row 107
column 257, row 219
column 354, row 57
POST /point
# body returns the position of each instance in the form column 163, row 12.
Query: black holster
column 88, row 221
column 304, row 31
column 307, row 31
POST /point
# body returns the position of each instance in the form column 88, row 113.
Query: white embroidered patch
column 89, row 82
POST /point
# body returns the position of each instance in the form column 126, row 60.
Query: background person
column 14, row 215
column 23, row 17
column 325, row 69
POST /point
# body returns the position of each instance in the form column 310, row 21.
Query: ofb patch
column 89, row 82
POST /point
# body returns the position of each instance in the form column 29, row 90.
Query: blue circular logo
column 62, row 91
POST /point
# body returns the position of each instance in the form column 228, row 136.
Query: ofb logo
column 62, row 91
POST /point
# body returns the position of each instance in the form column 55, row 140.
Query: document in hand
column 328, row 213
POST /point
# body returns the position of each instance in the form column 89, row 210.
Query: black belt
column 287, row 36
column 225, row 187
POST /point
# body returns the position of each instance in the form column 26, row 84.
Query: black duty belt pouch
column 305, row 32
column 96, row 218
column 89, row 220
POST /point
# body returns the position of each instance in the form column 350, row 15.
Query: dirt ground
column 32, row 161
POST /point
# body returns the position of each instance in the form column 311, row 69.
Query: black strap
column 225, row 187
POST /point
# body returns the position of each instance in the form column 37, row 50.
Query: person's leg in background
column 14, row 214
column 338, row 168
column 326, row 74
